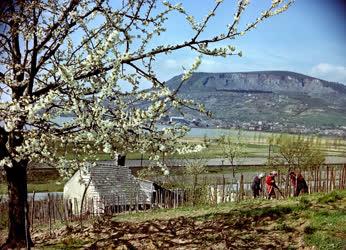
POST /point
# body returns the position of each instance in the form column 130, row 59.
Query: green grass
column 49, row 186
column 330, row 197
column 258, row 207
column 256, row 145
column 327, row 229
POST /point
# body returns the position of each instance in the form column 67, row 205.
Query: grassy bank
column 44, row 186
column 317, row 220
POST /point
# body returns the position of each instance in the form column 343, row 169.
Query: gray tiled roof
column 113, row 182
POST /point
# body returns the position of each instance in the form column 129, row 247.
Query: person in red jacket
column 271, row 185
column 298, row 183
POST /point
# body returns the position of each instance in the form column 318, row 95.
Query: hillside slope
column 306, row 222
column 266, row 96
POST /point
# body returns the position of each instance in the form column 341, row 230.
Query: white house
column 105, row 187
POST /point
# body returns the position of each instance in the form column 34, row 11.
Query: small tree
column 232, row 148
column 194, row 167
column 298, row 152
column 74, row 57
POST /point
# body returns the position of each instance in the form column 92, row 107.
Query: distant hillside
column 266, row 96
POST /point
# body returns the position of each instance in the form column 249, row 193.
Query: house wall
column 148, row 188
column 74, row 189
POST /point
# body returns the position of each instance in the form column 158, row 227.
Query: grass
column 327, row 229
column 44, row 186
column 255, row 143
column 331, row 197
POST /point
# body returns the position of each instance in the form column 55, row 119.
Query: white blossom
column 193, row 68
column 107, row 148
column 6, row 162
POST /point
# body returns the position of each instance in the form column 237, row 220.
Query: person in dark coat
column 257, row 185
column 298, row 183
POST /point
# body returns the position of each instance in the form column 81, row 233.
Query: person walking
column 257, row 185
column 298, row 183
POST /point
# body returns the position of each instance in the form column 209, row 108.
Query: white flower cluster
column 187, row 149
column 6, row 162
column 193, row 68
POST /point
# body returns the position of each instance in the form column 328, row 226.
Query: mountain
column 266, row 97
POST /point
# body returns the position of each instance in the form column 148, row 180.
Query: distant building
column 178, row 119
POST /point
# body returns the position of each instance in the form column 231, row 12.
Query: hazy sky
column 309, row 38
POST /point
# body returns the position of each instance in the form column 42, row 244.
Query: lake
column 194, row 132
column 40, row 196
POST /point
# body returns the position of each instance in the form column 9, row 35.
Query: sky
column 309, row 38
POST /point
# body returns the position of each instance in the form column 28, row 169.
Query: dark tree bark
column 18, row 227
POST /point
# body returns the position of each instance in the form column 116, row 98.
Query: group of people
column 297, row 180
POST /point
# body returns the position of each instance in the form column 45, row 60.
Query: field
column 307, row 222
column 255, row 147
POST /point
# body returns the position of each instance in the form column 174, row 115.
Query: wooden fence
column 55, row 208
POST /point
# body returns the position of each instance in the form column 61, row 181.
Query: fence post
column 70, row 209
column 312, row 180
column 53, row 201
column 32, row 210
column 333, row 179
column 316, row 179
column 328, row 186
column 92, row 207
column 241, row 186
column 343, row 175
column 49, row 215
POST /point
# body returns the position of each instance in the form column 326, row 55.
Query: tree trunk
column 18, row 226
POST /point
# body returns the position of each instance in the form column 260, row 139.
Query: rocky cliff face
column 271, row 96
column 274, row 81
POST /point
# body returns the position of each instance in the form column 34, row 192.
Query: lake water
column 194, row 132
column 38, row 196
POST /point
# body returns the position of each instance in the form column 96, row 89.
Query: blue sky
column 309, row 38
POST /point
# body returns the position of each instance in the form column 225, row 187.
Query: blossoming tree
column 74, row 57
